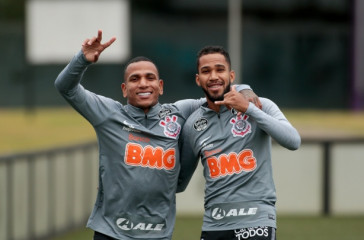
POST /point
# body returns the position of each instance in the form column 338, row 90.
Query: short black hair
column 210, row 50
column 139, row 59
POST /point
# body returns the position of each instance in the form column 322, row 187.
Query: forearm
column 188, row 160
column 71, row 75
column 240, row 87
column 277, row 126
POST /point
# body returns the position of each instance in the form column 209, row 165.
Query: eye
column 133, row 79
column 151, row 77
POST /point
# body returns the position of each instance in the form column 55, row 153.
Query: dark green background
column 295, row 52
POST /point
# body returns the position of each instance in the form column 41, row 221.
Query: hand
column 251, row 97
column 92, row 48
column 234, row 99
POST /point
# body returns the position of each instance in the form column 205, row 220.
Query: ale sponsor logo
column 218, row 213
column 127, row 225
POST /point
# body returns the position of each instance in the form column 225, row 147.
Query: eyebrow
column 216, row 65
column 139, row 75
column 151, row 74
column 220, row 65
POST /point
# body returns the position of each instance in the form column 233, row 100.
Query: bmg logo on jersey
column 148, row 156
column 231, row 164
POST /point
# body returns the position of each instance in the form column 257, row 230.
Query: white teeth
column 144, row 94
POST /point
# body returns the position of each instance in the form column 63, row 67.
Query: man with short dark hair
column 232, row 137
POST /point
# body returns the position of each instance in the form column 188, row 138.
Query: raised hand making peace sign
column 92, row 48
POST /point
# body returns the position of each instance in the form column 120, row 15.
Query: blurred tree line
column 296, row 52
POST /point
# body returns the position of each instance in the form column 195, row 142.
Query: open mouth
column 144, row 94
column 215, row 86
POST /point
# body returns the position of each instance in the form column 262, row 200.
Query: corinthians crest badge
column 241, row 126
column 171, row 126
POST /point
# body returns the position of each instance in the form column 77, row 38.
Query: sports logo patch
column 171, row 127
column 200, row 124
column 164, row 112
column 241, row 126
column 137, row 226
column 218, row 213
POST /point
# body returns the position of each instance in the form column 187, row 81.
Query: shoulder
column 187, row 106
column 196, row 120
column 267, row 103
column 106, row 99
column 197, row 114
column 266, row 100
column 270, row 107
column 190, row 103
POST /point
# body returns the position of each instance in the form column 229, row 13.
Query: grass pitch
column 21, row 130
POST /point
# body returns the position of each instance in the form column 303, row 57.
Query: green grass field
column 43, row 128
column 53, row 127
column 50, row 127
column 289, row 228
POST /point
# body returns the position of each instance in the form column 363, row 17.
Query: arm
column 68, row 83
column 69, row 79
column 271, row 120
column 248, row 93
column 190, row 105
column 188, row 160
column 71, row 76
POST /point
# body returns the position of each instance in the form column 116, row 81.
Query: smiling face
column 142, row 85
column 214, row 76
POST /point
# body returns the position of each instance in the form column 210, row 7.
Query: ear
column 232, row 76
column 197, row 79
column 161, row 83
column 123, row 89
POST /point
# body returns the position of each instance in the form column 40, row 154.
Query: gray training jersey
column 235, row 152
column 138, row 158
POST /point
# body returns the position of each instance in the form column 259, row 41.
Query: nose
column 213, row 75
column 143, row 82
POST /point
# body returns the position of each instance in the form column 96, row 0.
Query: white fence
column 50, row 192
column 47, row 193
column 321, row 177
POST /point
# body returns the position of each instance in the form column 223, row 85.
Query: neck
column 213, row 106
column 146, row 110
